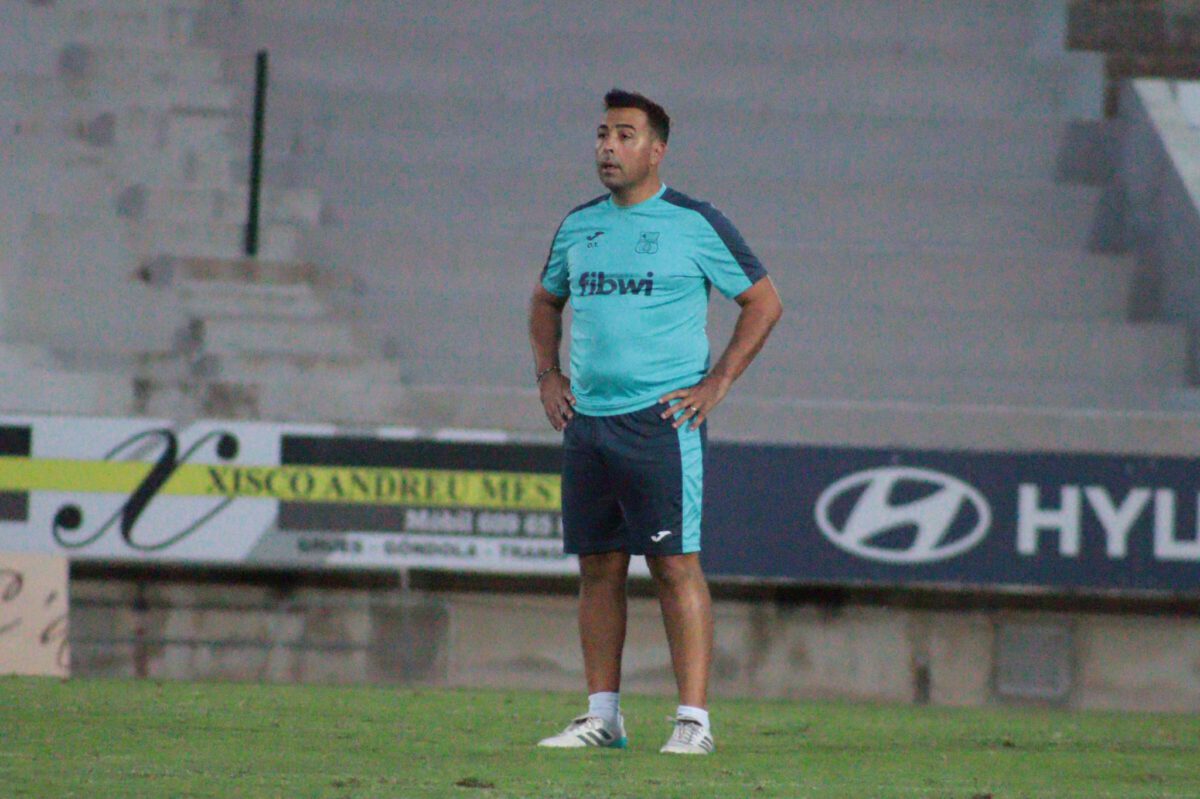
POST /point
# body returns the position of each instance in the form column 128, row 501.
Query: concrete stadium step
column 795, row 142
column 206, row 132
column 152, row 237
column 986, row 427
column 948, row 23
column 176, row 397
column 189, row 69
column 50, row 96
column 808, row 69
column 127, row 22
column 861, row 351
column 338, row 401
column 276, row 205
column 807, row 150
column 822, row 149
column 195, row 169
column 769, row 381
column 148, row 23
column 49, row 177
column 896, row 214
column 884, row 423
column 41, row 96
column 920, row 214
column 279, row 400
column 197, row 128
column 15, row 356
column 1047, row 284
column 188, row 147
column 213, row 298
column 134, row 143
column 844, row 311
column 147, row 92
column 1185, row 399
column 248, row 287
column 130, row 160
column 75, row 292
column 234, row 270
column 284, row 337
column 34, row 389
column 262, row 369
column 853, row 341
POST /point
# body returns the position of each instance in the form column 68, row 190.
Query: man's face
column 627, row 150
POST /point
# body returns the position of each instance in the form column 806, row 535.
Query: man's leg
column 592, row 523
column 602, row 638
column 602, row 618
column 687, row 615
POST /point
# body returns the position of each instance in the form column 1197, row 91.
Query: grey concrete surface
column 1158, row 185
column 868, row 133
column 174, row 630
column 927, row 255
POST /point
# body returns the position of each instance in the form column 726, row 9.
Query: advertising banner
column 269, row 494
column 294, row 495
column 897, row 517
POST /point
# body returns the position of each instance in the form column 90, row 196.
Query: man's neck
column 633, row 195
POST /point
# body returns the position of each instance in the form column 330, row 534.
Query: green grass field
column 100, row 738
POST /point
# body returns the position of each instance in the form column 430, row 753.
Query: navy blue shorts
column 632, row 483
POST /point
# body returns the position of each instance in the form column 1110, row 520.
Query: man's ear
column 658, row 151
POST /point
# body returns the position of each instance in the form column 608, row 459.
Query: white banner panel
column 274, row 494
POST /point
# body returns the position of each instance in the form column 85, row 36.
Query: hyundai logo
column 903, row 515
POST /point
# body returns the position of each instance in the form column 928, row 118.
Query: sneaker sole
column 620, row 743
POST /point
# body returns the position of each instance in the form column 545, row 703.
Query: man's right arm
column 545, row 336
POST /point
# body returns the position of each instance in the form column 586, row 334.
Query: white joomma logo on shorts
column 660, row 535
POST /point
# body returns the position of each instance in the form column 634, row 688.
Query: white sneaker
column 689, row 738
column 589, row 731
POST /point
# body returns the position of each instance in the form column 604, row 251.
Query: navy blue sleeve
column 726, row 258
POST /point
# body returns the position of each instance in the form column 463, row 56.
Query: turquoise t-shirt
column 638, row 278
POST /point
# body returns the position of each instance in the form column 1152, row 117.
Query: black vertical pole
column 256, row 145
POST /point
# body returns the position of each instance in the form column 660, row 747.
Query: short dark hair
column 660, row 123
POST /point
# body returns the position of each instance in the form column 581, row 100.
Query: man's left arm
column 761, row 309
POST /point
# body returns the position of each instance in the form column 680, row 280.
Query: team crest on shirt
column 647, row 243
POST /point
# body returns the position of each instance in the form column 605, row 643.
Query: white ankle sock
column 605, row 704
column 696, row 713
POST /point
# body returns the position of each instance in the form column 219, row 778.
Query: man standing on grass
column 637, row 265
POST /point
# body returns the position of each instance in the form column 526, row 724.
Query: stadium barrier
column 245, row 550
column 284, row 495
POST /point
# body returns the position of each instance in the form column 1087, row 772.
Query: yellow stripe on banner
column 294, row 483
column 105, row 477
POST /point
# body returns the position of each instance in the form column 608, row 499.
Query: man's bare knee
column 673, row 571
column 604, row 568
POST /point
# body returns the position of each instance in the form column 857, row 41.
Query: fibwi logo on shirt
column 602, row 284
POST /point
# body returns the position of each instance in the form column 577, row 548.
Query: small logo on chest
column 647, row 243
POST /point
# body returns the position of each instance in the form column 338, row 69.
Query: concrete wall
column 305, row 630
column 1159, row 186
